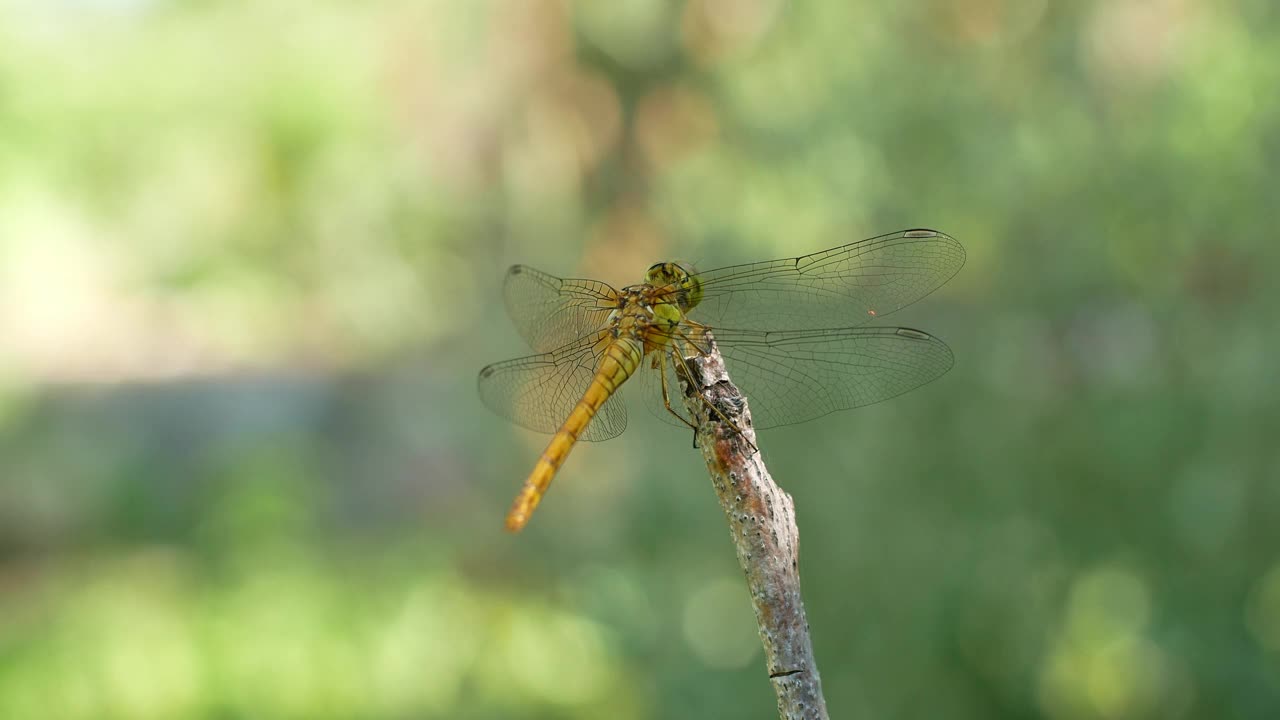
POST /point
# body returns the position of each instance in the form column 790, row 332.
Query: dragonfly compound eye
column 693, row 285
column 688, row 287
column 663, row 274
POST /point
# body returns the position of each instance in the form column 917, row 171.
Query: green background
column 250, row 263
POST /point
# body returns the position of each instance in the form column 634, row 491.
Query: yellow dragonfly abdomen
column 619, row 362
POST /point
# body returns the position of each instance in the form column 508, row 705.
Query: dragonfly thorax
column 646, row 313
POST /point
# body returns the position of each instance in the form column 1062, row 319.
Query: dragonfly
column 795, row 335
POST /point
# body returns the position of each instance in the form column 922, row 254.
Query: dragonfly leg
column 684, row 336
column 666, row 400
column 688, row 376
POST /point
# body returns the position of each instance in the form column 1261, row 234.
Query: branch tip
column 751, row 500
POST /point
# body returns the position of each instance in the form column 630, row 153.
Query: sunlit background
column 250, row 262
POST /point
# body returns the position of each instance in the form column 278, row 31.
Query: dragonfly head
column 683, row 287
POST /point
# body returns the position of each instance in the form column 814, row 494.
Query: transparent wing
column 841, row 287
column 538, row 392
column 550, row 312
column 797, row 375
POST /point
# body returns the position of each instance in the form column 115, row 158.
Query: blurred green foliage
column 250, row 256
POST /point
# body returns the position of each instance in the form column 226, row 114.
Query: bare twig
column 762, row 523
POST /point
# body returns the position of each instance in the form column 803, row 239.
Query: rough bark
column 762, row 525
